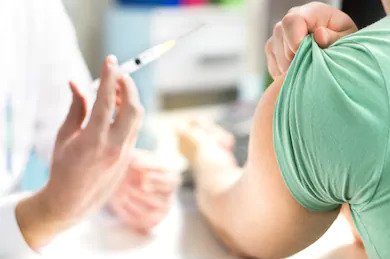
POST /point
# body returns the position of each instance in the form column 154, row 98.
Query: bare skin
column 328, row 25
column 144, row 198
column 89, row 161
column 234, row 199
column 386, row 4
column 250, row 208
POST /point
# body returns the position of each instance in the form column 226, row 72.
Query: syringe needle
column 149, row 55
column 197, row 28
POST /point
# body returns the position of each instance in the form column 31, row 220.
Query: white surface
column 34, row 96
column 183, row 235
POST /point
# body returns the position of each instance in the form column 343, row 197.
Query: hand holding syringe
column 148, row 56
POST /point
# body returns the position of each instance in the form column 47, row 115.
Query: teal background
column 35, row 175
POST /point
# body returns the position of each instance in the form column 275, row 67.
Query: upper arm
column 266, row 220
column 326, row 132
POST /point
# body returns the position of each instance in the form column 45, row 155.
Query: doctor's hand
column 88, row 163
column 144, row 197
column 327, row 24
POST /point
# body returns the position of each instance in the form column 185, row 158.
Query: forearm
column 214, row 206
column 214, row 195
column 37, row 222
column 216, row 182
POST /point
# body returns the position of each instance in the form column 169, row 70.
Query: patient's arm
column 251, row 209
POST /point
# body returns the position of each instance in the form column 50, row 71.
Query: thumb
column 326, row 37
column 76, row 115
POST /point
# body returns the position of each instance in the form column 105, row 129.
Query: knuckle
column 98, row 118
column 290, row 19
column 92, row 144
column 268, row 46
column 133, row 108
column 277, row 28
column 98, row 140
column 293, row 10
column 104, row 102
column 316, row 4
column 113, row 152
column 136, row 110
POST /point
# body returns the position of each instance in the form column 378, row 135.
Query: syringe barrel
column 129, row 67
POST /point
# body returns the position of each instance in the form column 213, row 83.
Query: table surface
column 183, row 234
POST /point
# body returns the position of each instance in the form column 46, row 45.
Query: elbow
column 230, row 243
column 240, row 240
column 245, row 245
column 234, row 243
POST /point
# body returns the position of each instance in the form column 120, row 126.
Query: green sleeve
column 331, row 125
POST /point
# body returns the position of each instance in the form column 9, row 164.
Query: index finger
column 104, row 106
column 129, row 116
column 295, row 30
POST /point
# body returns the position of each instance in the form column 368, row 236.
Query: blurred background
column 218, row 73
column 221, row 65
column 223, row 62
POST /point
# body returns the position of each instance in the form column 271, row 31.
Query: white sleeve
column 61, row 62
column 12, row 244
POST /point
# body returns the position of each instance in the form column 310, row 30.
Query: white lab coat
column 38, row 56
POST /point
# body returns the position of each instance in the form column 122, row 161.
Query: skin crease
column 223, row 188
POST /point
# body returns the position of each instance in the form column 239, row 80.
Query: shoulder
column 373, row 40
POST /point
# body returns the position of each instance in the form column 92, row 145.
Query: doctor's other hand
column 326, row 23
column 145, row 196
column 88, row 163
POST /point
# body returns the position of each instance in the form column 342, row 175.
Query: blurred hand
column 87, row 164
column 144, row 197
column 327, row 24
column 202, row 142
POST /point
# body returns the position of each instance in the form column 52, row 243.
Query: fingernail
column 112, row 60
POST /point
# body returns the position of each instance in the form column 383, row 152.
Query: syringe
column 142, row 59
column 148, row 56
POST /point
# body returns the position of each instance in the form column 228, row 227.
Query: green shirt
column 331, row 130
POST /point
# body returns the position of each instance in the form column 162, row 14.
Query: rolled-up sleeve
column 12, row 243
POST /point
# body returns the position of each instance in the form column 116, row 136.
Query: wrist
column 37, row 220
